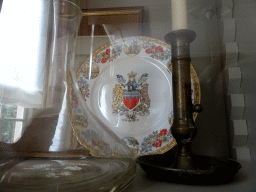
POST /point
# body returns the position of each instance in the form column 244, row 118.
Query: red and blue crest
column 130, row 98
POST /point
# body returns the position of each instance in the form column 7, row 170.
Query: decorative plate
column 127, row 84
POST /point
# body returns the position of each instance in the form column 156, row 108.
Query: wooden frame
column 121, row 22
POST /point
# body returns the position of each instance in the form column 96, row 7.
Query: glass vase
column 41, row 107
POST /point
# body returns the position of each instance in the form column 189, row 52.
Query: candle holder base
column 182, row 166
column 207, row 170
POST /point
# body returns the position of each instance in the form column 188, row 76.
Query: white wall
column 245, row 16
column 158, row 20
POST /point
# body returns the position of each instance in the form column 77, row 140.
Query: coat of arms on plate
column 131, row 98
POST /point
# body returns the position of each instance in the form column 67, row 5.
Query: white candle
column 179, row 14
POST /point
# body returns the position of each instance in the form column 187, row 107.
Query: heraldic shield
column 131, row 99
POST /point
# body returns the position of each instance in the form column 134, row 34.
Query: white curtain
column 22, row 51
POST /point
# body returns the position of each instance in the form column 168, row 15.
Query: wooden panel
column 119, row 22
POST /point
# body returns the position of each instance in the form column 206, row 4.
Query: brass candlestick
column 183, row 128
column 181, row 165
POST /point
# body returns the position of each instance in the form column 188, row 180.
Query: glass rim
column 70, row 2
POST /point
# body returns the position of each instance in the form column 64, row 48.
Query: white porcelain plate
column 128, row 85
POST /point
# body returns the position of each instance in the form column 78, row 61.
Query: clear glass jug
column 41, row 107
